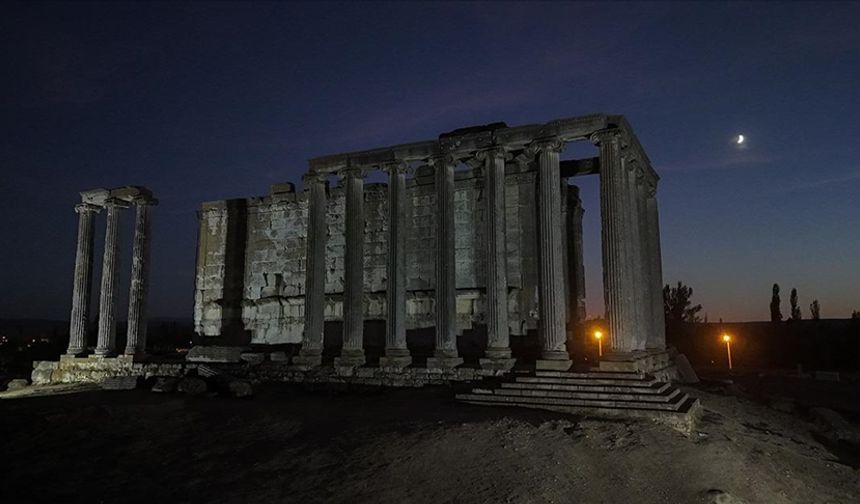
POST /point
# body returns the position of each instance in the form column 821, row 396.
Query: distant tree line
column 776, row 310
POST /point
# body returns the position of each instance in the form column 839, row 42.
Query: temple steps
column 595, row 393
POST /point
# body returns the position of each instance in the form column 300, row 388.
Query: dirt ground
column 287, row 444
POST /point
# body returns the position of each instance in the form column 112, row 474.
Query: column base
column 554, row 360
column 135, row 354
column 395, row 358
column 307, row 359
column 76, row 352
column 350, row 358
column 497, row 353
column 637, row 361
column 105, row 352
column 444, row 359
column 496, row 363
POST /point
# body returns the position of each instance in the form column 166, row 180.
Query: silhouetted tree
column 677, row 305
column 775, row 313
column 815, row 310
column 795, row 310
column 855, row 315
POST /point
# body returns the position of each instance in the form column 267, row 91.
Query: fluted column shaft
column 139, row 289
column 658, row 340
column 110, row 278
column 498, row 341
column 551, row 289
column 312, row 342
column 79, row 321
column 353, row 288
column 446, row 279
column 395, row 337
column 641, row 308
column 615, row 239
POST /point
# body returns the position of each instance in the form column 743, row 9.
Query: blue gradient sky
column 210, row 101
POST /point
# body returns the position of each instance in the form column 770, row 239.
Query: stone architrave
column 498, row 353
column 106, row 345
column 139, row 289
column 83, row 279
column 552, row 332
column 310, row 354
column 658, row 341
column 352, row 353
column 445, row 354
column 396, row 352
column 615, row 240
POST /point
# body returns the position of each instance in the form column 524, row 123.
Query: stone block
column 214, row 354
column 442, row 363
column 278, row 357
column 120, row 383
column 41, row 376
column 553, row 364
column 497, row 363
column 686, row 373
column 17, row 384
column 394, row 363
column 192, row 386
column 253, row 358
column 165, row 384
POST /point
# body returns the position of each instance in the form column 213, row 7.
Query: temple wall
column 251, row 258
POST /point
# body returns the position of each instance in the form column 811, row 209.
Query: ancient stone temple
column 479, row 227
column 394, row 265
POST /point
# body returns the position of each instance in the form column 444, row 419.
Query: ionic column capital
column 607, row 135
column 347, row 172
column 82, row 208
column 540, row 145
column 397, row 167
column 312, row 178
column 116, row 203
column 494, row 152
column 144, row 201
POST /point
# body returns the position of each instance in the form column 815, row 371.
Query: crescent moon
column 741, row 139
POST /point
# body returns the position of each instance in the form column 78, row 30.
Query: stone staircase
column 591, row 393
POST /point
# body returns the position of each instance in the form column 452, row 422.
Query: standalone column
column 658, row 340
column 396, row 352
column 641, row 308
column 352, row 353
column 615, row 238
column 83, row 279
column 312, row 343
column 551, row 288
column 446, row 278
column 110, row 276
column 645, row 260
column 137, row 297
column 498, row 353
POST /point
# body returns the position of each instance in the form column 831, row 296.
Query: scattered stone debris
column 165, row 384
column 253, row 358
column 17, row 384
column 192, row 385
column 834, row 426
column 278, row 357
column 120, row 383
column 715, row 496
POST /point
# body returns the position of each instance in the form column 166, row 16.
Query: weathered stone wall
column 265, row 239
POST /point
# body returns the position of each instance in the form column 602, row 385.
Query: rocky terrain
column 288, row 444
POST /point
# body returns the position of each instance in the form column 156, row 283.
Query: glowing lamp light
column 728, row 341
column 599, row 337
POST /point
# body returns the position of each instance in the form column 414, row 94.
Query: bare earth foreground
column 290, row 445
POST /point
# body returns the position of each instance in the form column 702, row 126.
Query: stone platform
column 597, row 393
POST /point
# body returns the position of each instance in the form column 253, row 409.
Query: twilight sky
column 205, row 101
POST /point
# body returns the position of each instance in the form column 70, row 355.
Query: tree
column 855, row 315
column 677, row 305
column 815, row 310
column 795, row 310
column 775, row 313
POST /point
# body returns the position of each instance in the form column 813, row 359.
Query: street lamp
column 728, row 340
column 599, row 336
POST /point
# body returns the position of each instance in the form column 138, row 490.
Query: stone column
column 641, row 308
column 445, row 355
column 83, row 279
column 576, row 267
column 498, row 353
column 647, row 331
column 139, row 290
column 310, row 354
column 396, row 351
column 615, row 238
column 110, row 277
column 551, row 288
column 352, row 353
column 658, row 340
